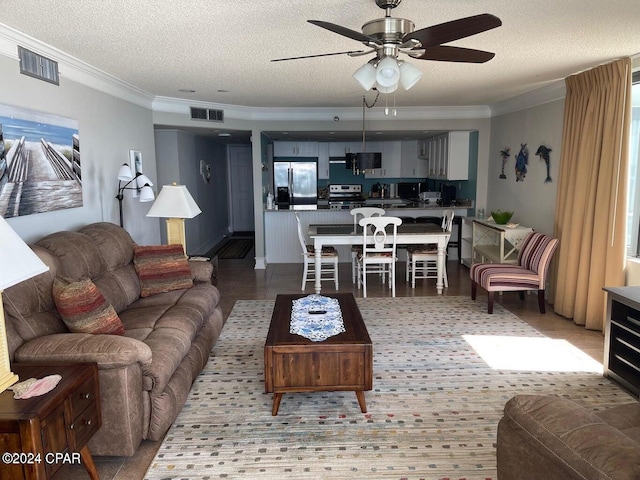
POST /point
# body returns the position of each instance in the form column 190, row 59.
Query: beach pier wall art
column 40, row 166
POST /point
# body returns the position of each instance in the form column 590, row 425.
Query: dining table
column 407, row 234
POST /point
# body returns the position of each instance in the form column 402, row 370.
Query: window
column 633, row 214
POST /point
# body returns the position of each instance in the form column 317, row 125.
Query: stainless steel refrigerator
column 300, row 179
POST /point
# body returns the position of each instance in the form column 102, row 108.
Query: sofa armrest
column 554, row 438
column 202, row 270
column 108, row 351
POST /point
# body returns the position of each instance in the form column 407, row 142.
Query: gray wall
column 532, row 200
column 108, row 128
column 178, row 156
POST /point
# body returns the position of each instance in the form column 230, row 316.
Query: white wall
column 532, row 200
column 108, row 128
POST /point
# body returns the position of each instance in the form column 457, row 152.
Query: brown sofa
column 554, row 438
column 146, row 374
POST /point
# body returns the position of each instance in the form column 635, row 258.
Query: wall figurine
column 504, row 154
column 543, row 153
column 522, row 159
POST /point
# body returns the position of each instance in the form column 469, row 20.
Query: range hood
column 364, row 160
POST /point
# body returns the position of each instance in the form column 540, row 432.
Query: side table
column 53, row 429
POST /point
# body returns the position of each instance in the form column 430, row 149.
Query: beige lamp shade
column 175, row 203
column 17, row 263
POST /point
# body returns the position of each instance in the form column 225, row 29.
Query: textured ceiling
column 222, row 50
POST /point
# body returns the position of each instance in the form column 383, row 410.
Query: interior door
column 241, row 191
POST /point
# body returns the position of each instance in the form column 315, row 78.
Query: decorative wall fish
column 504, row 154
column 543, row 153
column 522, row 159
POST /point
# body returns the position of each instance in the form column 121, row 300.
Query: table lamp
column 175, row 203
column 17, row 263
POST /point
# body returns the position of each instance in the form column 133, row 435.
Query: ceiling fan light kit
column 388, row 37
column 388, row 72
column 366, row 76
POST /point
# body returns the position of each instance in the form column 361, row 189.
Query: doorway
column 241, row 188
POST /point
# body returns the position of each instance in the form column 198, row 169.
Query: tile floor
column 238, row 280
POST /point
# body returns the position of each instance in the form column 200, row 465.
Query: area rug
column 440, row 385
column 234, row 248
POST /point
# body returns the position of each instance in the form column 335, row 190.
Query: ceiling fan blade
column 443, row 53
column 454, row 30
column 350, row 52
column 345, row 32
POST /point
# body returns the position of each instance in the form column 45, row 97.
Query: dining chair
column 328, row 260
column 378, row 250
column 422, row 260
column 530, row 273
column 358, row 214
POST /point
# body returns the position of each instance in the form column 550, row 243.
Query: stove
column 343, row 197
column 346, row 193
column 344, row 205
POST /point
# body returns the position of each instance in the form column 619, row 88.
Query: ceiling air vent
column 207, row 114
column 38, row 66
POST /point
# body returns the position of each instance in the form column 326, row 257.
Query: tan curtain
column 590, row 216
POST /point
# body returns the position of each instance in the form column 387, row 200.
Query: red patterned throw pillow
column 161, row 268
column 83, row 308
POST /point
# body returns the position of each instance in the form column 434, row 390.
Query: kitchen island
column 281, row 233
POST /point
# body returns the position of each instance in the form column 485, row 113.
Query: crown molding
column 549, row 93
column 238, row 112
column 71, row 68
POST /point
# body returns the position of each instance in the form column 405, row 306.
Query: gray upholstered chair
column 529, row 274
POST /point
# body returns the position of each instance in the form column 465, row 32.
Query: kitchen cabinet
column 411, row 166
column 449, row 155
column 323, row 161
column 340, row 149
column 423, row 149
column 295, row 149
column 391, row 159
column 622, row 337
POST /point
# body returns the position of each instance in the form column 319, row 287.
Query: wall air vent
column 216, row 115
column 207, row 114
column 37, row 66
column 198, row 113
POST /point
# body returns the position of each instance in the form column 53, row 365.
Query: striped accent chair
column 529, row 274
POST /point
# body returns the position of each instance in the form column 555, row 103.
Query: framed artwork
column 135, row 163
column 40, row 167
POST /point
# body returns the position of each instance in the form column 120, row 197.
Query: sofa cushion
column 114, row 243
column 161, row 268
column 83, row 308
column 77, row 253
column 169, row 323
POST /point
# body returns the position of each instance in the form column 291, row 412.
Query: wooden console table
column 41, row 434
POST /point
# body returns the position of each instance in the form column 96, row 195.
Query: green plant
column 500, row 217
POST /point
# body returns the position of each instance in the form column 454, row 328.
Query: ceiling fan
column 388, row 37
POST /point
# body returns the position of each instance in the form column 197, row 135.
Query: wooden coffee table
column 293, row 363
